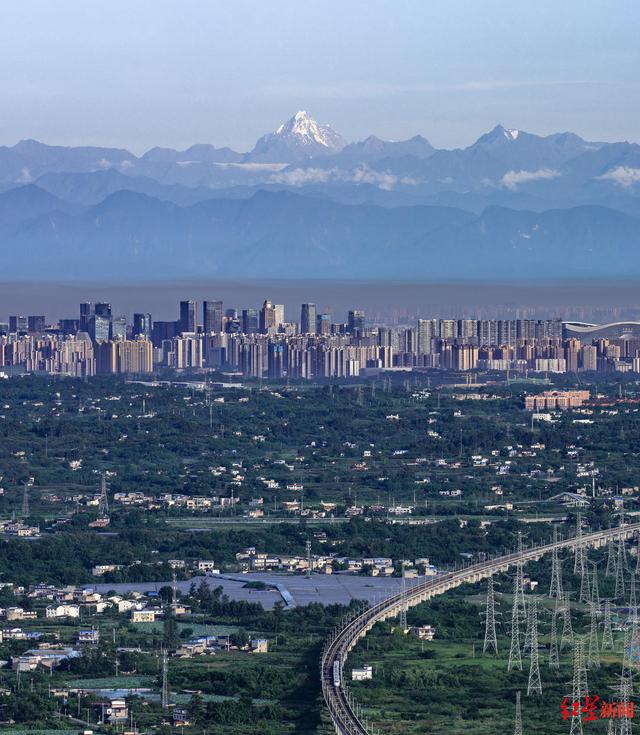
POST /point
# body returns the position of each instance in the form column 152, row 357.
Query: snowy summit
column 300, row 137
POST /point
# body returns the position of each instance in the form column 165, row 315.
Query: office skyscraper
column 308, row 317
column 188, row 322
column 268, row 318
column 36, row 324
column 323, row 324
column 250, row 323
column 355, row 321
column 95, row 318
column 212, row 317
column 18, row 324
column 142, row 325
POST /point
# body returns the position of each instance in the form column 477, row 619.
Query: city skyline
column 311, row 345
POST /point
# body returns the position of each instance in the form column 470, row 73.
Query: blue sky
column 139, row 73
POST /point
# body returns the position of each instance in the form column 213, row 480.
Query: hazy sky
column 168, row 72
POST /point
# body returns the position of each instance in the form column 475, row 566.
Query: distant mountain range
column 305, row 203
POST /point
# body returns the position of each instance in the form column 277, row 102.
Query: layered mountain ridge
column 306, row 203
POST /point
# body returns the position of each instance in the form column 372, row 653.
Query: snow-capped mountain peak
column 511, row 134
column 306, row 130
column 299, row 137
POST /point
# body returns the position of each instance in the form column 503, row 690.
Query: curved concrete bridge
column 344, row 711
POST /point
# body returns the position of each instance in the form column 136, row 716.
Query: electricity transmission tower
column 490, row 636
column 593, row 656
column 518, row 611
column 515, row 654
column 555, row 589
column 567, row 629
column 403, row 605
column 517, row 730
column 578, row 551
column 585, row 593
column 619, row 590
column 535, row 684
column 554, row 654
column 611, row 559
column 607, row 636
column 595, row 587
column 579, row 686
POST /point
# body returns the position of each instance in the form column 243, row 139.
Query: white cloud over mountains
column 359, row 175
column 512, row 179
column 625, row 176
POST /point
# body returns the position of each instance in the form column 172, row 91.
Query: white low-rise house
column 362, row 673
column 206, row 565
column 424, row 632
column 101, row 569
column 62, row 611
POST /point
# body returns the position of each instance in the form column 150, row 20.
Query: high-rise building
column 250, row 323
column 162, row 331
column 212, row 317
column 95, row 319
column 119, row 328
column 279, row 314
column 308, row 316
column 99, row 328
column 36, row 324
column 268, row 321
column 142, row 325
column 589, row 357
column 427, row 330
column 188, row 321
column 355, row 321
column 323, row 324
column 69, row 326
column 18, row 324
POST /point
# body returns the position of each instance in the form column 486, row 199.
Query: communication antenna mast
column 25, row 501
column 165, row 679
column 308, row 558
column 103, row 503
